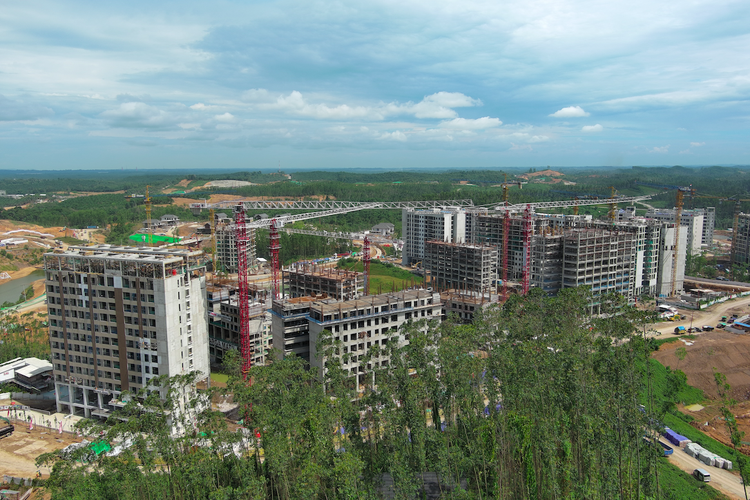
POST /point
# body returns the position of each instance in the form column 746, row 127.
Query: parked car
column 721, row 325
column 707, row 328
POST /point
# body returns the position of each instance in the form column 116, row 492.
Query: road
column 710, row 316
column 721, row 479
column 717, row 282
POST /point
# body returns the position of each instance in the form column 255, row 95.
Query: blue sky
column 395, row 84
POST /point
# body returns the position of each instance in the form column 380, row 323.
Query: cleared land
column 726, row 353
column 19, row 451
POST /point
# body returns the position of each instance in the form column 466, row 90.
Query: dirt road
column 710, row 316
column 18, row 452
column 722, row 480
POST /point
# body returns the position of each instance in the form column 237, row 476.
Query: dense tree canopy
column 537, row 400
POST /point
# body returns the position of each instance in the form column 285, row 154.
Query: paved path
column 710, row 316
column 717, row 282
column 24, row 305
column 723, row 480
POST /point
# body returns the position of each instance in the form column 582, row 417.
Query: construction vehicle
column 679, row 330
column 6, row 428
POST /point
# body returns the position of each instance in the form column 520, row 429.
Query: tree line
column 535, row 400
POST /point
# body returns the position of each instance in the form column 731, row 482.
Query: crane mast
column 147, row 204
column 677, row 222
column 243, row 290
column 366, row 264
column 273, row 247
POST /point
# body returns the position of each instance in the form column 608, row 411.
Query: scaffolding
column 310, row 279
column 472, row 268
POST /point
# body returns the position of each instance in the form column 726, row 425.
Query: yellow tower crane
column 681, row 190
column 612, row 206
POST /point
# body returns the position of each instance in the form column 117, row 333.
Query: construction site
column 472, row 256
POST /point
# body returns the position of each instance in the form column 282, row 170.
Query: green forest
column 712, row 186
column 535, row 400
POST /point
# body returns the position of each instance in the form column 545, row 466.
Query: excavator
column 6, row 428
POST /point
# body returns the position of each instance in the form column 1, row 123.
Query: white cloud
column 138, row 115
column 662, row 149
column 592, row 128
column 295, row 103
column 11, row 110
column 199, row 106
column 226, row 117
column 438, row 106
column 256, row 95
column 570, row 112
column 697, row 144
column 394, row 136
column 188, row 126
column 471, row 124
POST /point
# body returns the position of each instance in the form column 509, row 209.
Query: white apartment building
column 119, row 316
column 419, row 226
column 667, row 254
column 362, row 323
column 693, row 220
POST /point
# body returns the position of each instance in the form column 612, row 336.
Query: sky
column 378, row 84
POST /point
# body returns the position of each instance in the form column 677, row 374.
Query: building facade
column 363, row 323
column 600, row 259
column 742, row 240
column 668, row 254
column 306, row 279
column 692, row 220
column 119, row 316
column 226, row 248
column 420, row 226
column 224, row 331
column 461, row 266
column 289, row 326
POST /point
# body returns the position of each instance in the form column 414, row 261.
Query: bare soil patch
column 725, row 352
column 709, row 421
column 18, row 452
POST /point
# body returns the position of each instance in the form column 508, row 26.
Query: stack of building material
column 697, row 451
column 674, row 438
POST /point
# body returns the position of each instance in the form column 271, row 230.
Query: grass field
column 155, row 238
column 69, row 240
column 688, row 395
column 679, row 484
column 384, row 277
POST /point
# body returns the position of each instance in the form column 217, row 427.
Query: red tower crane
column 526, row 249
column 366, row 264
column 243, row 289
column 273, row 247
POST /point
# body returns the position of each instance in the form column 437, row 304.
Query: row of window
column 98, row 280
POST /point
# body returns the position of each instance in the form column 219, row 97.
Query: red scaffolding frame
column 243, row 298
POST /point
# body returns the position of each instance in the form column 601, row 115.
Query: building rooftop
column 461, row 245
column 127, row 253
column 372, row 300
column 327, row 273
